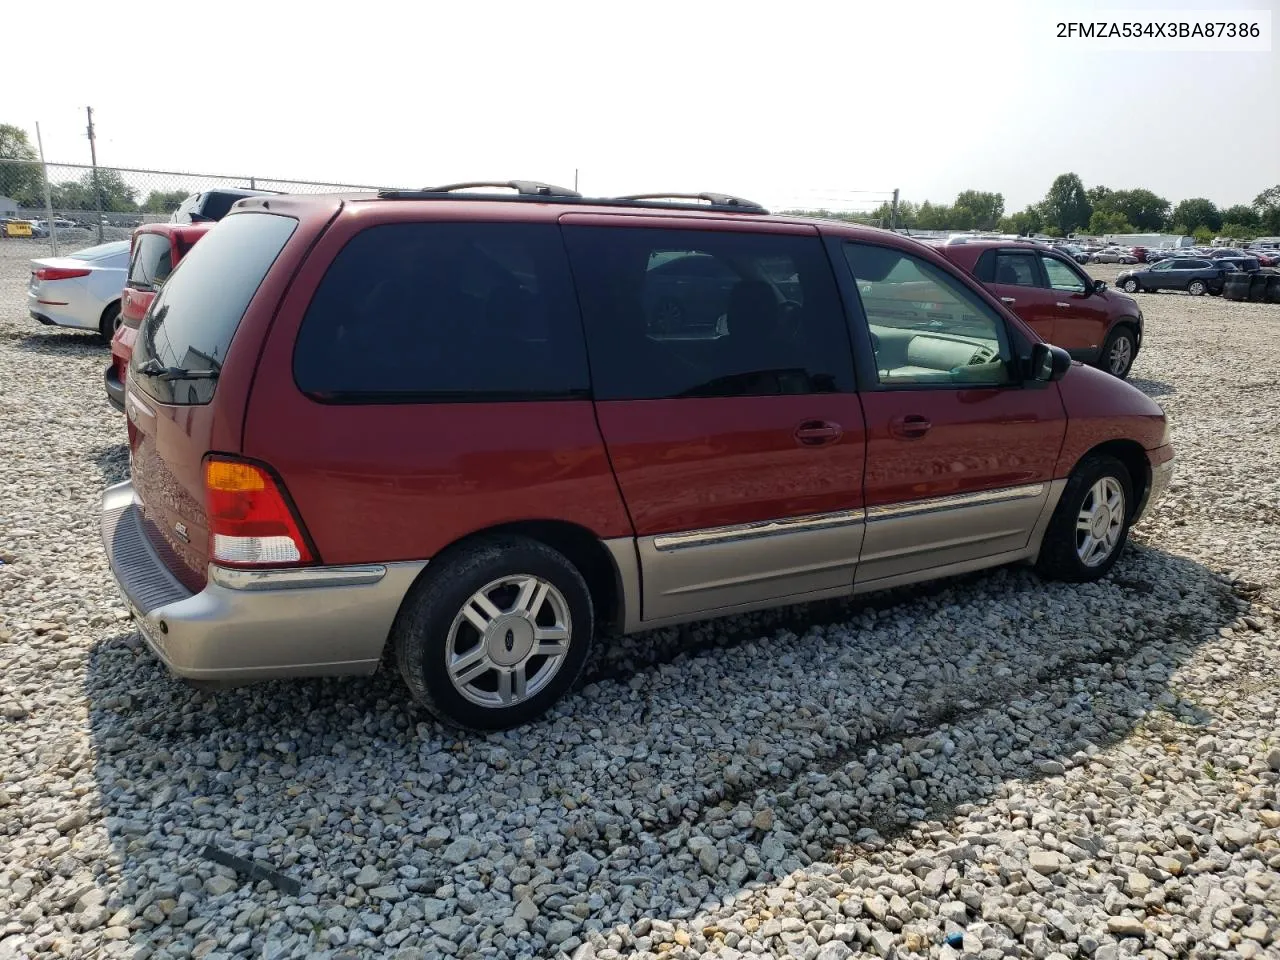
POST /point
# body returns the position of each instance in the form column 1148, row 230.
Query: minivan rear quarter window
column 444, row 312
column 195, row 315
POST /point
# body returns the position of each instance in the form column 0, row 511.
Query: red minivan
column 156, row 250
column 1057, row 299
column 488, row 429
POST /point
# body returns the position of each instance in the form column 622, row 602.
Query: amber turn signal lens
column 231, row 477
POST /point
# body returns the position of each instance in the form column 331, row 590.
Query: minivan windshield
column 191, row 322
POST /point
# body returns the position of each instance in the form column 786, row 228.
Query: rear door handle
column 812, row 433
column 1008, row 300
column 910, row 427
column 1066, row 305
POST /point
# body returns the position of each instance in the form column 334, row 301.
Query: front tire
column 1119, row 352
column 110, row 321
column 494, row 633
column 1090, row 525
column 1130, row 286
column 1197, row 288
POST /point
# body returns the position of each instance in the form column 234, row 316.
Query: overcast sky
column 785, row 103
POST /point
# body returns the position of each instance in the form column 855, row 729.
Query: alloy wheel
column 1121, row 356
column 1100, row 522
column 508, row 641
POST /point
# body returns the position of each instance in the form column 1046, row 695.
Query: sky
column 813, row 104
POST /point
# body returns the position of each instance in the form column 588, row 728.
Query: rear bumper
column 115, row 389
column 253, row 625
column 58, row 314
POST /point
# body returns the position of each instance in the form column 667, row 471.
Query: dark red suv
column 1057, row 299
column 488, row 429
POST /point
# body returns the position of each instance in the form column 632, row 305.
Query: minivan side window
column 702, row 313
column 444, row 311
column 926, row 326
column 151, row 262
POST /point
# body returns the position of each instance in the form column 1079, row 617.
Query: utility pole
column 97, row 187
column 575, row 179
column 893, row 214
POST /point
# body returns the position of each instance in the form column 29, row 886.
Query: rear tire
column 110, row 321
column 538, row 620
column 1197, row 288
column 1090, row 525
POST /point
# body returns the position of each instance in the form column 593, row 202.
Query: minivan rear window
column 151, row 263
column 192, row 320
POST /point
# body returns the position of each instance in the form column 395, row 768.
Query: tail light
column 60, row 273
column 251, row 522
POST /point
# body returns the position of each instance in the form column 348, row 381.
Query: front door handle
column 1064, row 305
column 910, row 427
column 1008, row 300
column 812, row 433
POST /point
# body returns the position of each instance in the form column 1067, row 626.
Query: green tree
column 117, row 195
column 984, row 209
column 1142, row 208
column 163, row 201
column 1198, row 212
column 1241, row 231
column 1240, row 214
column 934, row 216
column 1100, row 198
column 1024, row 224
column 1267, row 205
column 20, row 178
column 1103, row 222
column 1066, row 206
column 1203, row 236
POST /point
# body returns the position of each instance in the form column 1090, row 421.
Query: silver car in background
column 81, row 289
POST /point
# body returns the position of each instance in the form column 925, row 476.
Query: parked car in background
column 81, row 289
column 1267, row 258
column 1062, row 303
column 1249, row 264
column 1113, row 255
column 1217, row 253
column 1196, row 276
column 1074, row 252
column 212, row 205
column 1140, row 253
column 155, row 250
column 441, row 423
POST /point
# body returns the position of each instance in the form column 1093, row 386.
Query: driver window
column 1062, row 277
column 926, row 326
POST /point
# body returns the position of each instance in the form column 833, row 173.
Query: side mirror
column 1049, row 363
column 1099, row 286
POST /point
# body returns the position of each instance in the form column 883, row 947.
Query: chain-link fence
column 105, row 203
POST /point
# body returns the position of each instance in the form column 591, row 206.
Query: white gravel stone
column 1031, row 767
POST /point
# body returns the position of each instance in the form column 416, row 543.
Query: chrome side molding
column 936, row 504
column 752, row 531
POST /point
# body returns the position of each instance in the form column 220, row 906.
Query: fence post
column 894, row 212
column 93, row 158
column 253, row 183
column 48, row 197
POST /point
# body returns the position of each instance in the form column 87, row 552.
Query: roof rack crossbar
column 721, row 200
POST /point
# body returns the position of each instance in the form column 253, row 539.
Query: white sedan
column 81, row 289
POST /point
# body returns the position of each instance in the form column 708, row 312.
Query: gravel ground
column 989, row 767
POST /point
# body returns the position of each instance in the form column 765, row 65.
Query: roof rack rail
column 720, row 201
column 526, row 188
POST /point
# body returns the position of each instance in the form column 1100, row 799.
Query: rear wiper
column 154, row 368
